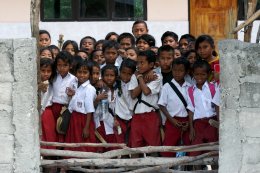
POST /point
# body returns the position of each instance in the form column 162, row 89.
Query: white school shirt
column 203, row 102
column 59, row 88
column 83, row 100
column 124, row 102
column 108, row 120
column 46, row 97
column 171, row 101
column 152, row 98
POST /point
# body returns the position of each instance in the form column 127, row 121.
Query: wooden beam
column 72, row 145
column 250, row 12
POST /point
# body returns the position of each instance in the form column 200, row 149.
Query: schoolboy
column 139, row 28
column 170, row 38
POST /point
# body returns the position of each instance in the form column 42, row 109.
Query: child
column 104, row 117
column 145, row 124
column 87, row 43
column 126, row 40
column 174, row 107
column 191, row 56
column 44, row 38
column 71, row 47
column 170, row 38
column 95, row 75
column 124, row 102
column 112, row 36
column 139, row 28
column 205, row 48
column 99, row 44
column 186, row 42
column 75, row 61
column 97, row 56
column 55, row 50
column 45, row 52
column 177, row 53
column 64, row 85
column 83, row 54
column 166, row 57
column 110, row 53
column 203, row 105
column 132, row 53
column 81, row 127
column 145, row 42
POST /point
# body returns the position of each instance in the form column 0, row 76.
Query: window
column 93, row 10
column 241, row 9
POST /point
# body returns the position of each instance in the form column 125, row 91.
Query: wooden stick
column 247, row 22
column 258, row 34
column 115, row 170
column 198, row 171
column 137, row 162
column 69, row 145
column 250, row 12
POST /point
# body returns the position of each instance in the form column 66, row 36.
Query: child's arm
column 217, row 111
column 168, row 116
column 192, row 131
column 100, row 97
column 145, row 89
column 85, row 133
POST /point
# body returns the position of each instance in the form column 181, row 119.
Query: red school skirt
column 125, row 127
column 56, row 109
column 75, row 132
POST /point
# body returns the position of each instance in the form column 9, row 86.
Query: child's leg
column 136, row 131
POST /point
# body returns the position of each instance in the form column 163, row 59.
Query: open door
column 212, row 17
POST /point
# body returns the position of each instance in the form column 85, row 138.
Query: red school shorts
column 173, row 136
column 75, row 132
column 145, row 130
column 124, row 124
column 204, row 133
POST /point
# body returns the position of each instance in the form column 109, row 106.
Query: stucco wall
column 19, row 146
column 240, row 107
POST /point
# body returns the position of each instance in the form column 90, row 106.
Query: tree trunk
column 250, row 11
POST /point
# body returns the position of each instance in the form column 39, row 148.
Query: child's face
column 69, row 48
column 54, row 52
column 165, row 60
column 109, row 77
column 44, row 40
column 192, row 58
column 200, row 76
column 113, row 38
column 99, row 58
column 46, row 54
column 139, row 29
column 142, row 45
column 131, row 54
column 170, row 41
column 205, row 50
column 110, row 55
column 178, row 72
column 125, row 43
column 184, row 45
column 143, row 65
column 125, row 74
column 63, row 67
column 88, row 44
column 46, row 72
column 83, row 55
column 99, row 46
column 82, row 74
column 95, row 75
column 177, row 53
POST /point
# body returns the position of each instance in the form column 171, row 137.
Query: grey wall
column 240, row 107
column 19, row 139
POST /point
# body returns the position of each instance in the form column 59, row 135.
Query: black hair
column 82, row 64
column 169, row 34
column 128, row 63
column 202, row 64
column 110, row 44
column 93, row 53
column 54, row 47
column 75, row 61
column 46, row 48
column 92, row 64
column 133, row 48
column 182, row 61
column 126, row 35
column 45, row 62
column 150, row 55
column 188, row 37
column 87, row 37
column 166, row 48
column 110, row 34
column 147, row 38
column 208, row 39
column 100, row 42
column 84, row 51
column 109, row 67
column 44, row 32
column 189, row 52
column 73, row 43
column 138, row 22
column 64, row 56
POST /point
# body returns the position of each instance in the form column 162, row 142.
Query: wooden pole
column 250, row 12
column 71, row 145
column 258, row 34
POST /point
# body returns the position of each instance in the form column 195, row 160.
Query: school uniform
column 123, row 113
column 80, row 105
column 203, row 110
column 60, row 97
column 105, row 123
column 145, row 124
column 177, row 110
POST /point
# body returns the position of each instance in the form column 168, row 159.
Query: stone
column 6, row 126
column 7, row 148
column 250, row 95
column 6, row 93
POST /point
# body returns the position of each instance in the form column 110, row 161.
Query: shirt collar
column 85, row 83
column 183, row 85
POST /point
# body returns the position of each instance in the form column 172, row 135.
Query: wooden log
column 258, row 34
column 137, row 162
column 247, row 22
column 115, row 170
column 198, row 171
column 177, row 162
column 250, row 12
column 71, row 145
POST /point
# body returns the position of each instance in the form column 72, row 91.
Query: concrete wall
column 240, row 107
column 19, row 146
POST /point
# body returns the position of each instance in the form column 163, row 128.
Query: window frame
column 75, row 6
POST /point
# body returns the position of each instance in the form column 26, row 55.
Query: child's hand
column 42, row 86
column 185, row 126
column 102, row 96
column 192, row 134
column 122, row 52
column 85, row 133
column 176, row 123
column 70, row 92
column 116, row 123
column 100, row 84
column 151, row 76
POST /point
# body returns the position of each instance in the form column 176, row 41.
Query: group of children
column 123, row 89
